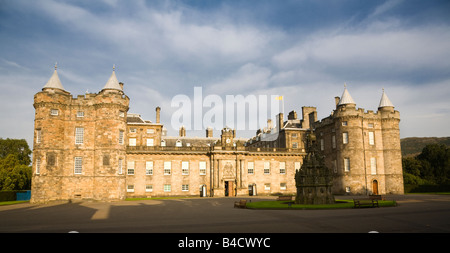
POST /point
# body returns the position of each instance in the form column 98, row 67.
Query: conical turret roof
column 346, row 98
column 54, row 81
column 113, row 83
column 385, row 101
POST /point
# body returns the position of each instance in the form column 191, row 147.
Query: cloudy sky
column 305, row 50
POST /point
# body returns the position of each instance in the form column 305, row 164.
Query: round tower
column 51, row 110
column 392, row 156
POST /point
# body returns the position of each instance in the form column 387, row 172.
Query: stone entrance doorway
column 375, row 187
column 229, row 189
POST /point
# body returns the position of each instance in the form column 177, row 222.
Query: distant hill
column 412, row 146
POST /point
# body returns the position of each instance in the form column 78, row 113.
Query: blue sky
column 303, row 50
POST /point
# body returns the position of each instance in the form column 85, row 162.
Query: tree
column 15, row 169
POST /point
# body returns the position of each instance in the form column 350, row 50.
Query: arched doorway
column 375, row 187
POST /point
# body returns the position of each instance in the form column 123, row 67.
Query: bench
column 365, row 202
column 377, row 197
column 283, row 198
column 240, row 204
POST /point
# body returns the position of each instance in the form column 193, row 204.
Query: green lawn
column 283, row 205
column 4, row 203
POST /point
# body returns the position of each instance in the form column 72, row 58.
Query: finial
column 56, row 65
column 345, row 85
column 114, row 67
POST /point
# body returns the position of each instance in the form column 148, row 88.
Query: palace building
column 90, row 147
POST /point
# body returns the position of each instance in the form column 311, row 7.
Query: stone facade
column 90, row 147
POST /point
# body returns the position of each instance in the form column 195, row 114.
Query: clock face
column 228, row 140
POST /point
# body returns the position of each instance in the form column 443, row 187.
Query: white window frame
column 345, row 137
column 184, row 168
column 267, row 187
column 120, row 166
column 38, row 136
column 178, row 143
column 266, row 168
column 167, row 188
column 371, row 138
column 282, row 167
column 297, row 166
column 163, row 143
column 130, row 188
column 54, row 112
column 149, row 188
column 346, row 164
column 78, row 165
column 150, row 130
column 121, row 135
column 283, row 186
column 79, row 135
column 202, row 167
column 251, row 168
column 80, row 114
column 149, row 168
column 167, row 168
column 373, row 165
column 38, row 166
column 132, row 142
column 133, row 130
column 185, row 187
column 130, row 168
column 150, row 142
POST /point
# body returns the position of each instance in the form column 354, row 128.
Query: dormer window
column 178, row 143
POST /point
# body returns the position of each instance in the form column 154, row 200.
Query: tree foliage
column 431, row 166
column 15, row 168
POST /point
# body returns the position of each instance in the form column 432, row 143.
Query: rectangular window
column 345, row 138
column 184, row 168
column 322, row 145
column 373, row 165
column 282, row 167
column 250, row 168
column 370, row 125
column 297, row 166
column 132, row 130
column 78, row 165
column 335, row 166
column 149, row 188
column 294, row 135
column 121, row 137
column 149, row 168
column 185, row 187
column 130, row 188
column 167, row 168
column 130, row 168
column 120, row 168
column 202, row 167
column 371, row 138
column 79, row 135
column 346, row 164
column 266, row 168
column 344, row 123
column 163, row 143
column 167, row 188
column 38, row 136
column 54, row 112
column 38, row 166
column 132, row 142
column 347, row 189
column 80, row 114
column 267, row 187
column 333, row 141
column 294, row 145
column 150, row 131
column 150, row 142
column 121, row 114
column 282, row 186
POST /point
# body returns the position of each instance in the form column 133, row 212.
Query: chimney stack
column 209, row 132
column 158, row 112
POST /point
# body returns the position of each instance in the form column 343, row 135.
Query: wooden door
column 375, row 187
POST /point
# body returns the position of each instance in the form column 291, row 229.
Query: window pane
column 78, row 165
column 79, row 135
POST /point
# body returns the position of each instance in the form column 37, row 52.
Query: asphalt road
column 414, row 214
